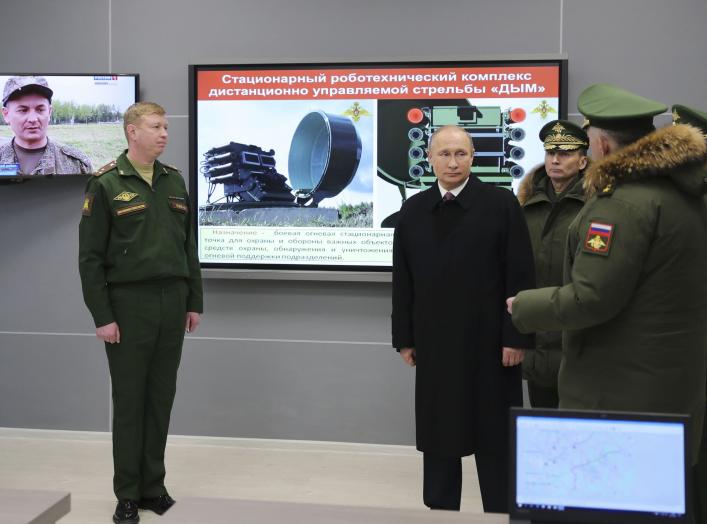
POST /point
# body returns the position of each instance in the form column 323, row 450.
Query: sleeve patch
column 598, row 239
column 87, row 208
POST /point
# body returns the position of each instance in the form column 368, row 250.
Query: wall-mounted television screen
column 305, row 166
column 62, row 124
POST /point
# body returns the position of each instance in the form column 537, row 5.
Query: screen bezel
column 22, row 178
column 237, row 269
column 583, row 515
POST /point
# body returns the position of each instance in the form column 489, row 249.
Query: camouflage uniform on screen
column 58, row 159
column 29, row 125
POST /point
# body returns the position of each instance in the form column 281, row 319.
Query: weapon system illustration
column 323, row 159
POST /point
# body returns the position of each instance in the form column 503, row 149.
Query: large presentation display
column 306, row 166
column 62, row 124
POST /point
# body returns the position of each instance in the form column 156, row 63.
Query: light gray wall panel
column 41, row 290
column 652, row 47
column 61, row 36
column 297, row 310
column 267, row 385
column 53, row 383
column 297, row 391
column 220, row 31
column 177, row 152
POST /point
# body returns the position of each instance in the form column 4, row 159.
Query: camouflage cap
column 687, row 115
column 563, row 135
column 20, row 85
column 610, row 107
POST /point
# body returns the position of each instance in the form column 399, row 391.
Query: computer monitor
column 599, row 467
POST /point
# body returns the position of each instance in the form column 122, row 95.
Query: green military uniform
column 548, row 216
column 687, row 115
column 634, row 304
column 139, row 268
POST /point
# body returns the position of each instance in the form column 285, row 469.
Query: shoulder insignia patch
column 110, row 165
column 125, row 196
column 87, row 208
column 608, row 190
column 598, row 239
column 171, row 167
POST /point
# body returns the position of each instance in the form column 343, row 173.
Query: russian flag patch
column 598, row 238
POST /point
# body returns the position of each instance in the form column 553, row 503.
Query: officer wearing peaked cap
column 633, row 307
column 694, row 117
column 551, row 196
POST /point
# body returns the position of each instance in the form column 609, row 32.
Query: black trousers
column 442, row 482
column 543, row 396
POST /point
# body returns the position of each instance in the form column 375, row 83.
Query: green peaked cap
column 610, row 107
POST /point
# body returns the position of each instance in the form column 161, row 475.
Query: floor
column 292, row 471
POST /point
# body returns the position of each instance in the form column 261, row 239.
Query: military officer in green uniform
column 686, row 115
column 633, row 307
column 551, row 196
column 142, row 284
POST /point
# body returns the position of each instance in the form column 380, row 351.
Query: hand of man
column 193, row 320
column 109, row 333
column 509, row 304
column 408, row 355
column 512, row 356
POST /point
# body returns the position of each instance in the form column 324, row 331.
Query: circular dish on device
column 324, row 156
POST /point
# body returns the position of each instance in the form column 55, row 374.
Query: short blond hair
column 139, row 109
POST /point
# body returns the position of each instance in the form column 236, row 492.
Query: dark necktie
column 448, row 196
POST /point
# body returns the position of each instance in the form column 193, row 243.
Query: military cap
column 21, row 85
column 687, row 115
column 563, row 135
column 610, row 107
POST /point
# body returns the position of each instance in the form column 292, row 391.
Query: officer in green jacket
column 686, row 115
column 551, row 196
column 142, row 284
column 634, row 304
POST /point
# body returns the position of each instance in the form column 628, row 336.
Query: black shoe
column 126, row 512
column 157, row 504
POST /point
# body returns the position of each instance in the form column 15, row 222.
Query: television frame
column 371, row 273
column 593, row 516
column 22, row 178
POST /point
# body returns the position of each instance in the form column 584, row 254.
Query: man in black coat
column 460, row 247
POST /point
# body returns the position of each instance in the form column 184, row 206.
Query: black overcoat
column 454, row 265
